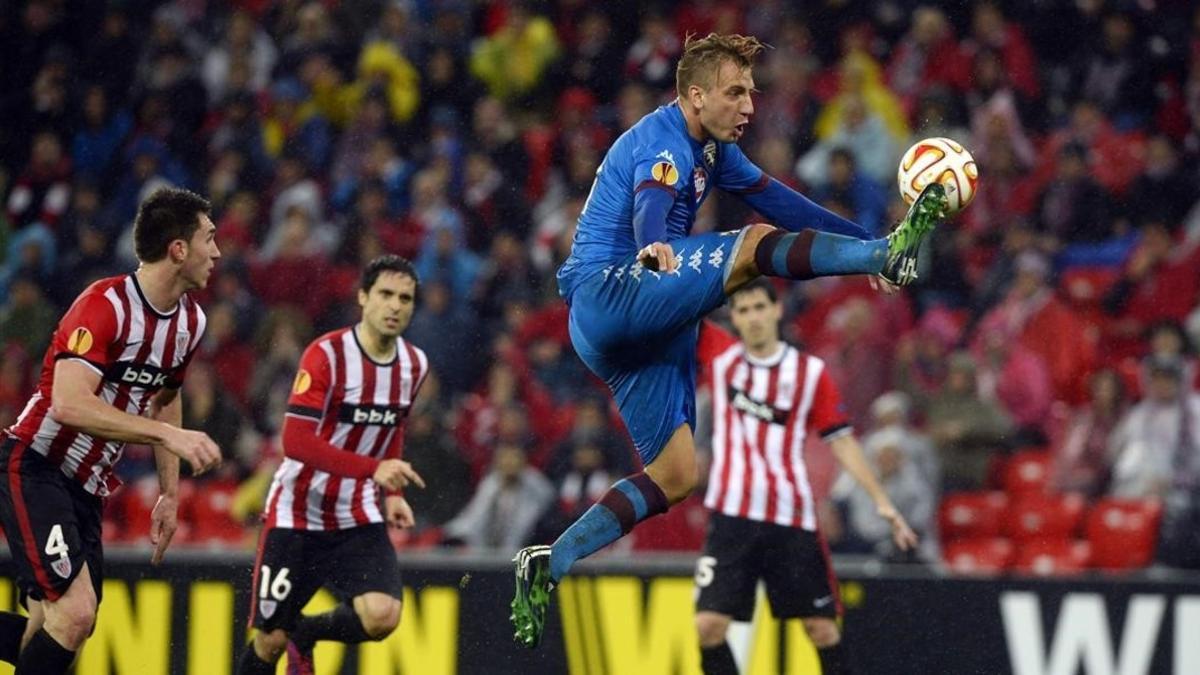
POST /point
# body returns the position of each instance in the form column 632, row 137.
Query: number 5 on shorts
column 705, row 570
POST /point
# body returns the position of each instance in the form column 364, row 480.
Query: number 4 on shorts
column 56, row 545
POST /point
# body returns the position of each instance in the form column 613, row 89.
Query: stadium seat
column 680, row 529
column 1123, row 532
column 1036, row 517
column 1027, row 472
column 1052, row 557
column 110, row 530
column 135, row 504
column 207, row 512
column 978, row 556
column 971, row 515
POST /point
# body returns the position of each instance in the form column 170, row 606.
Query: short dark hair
column 759, row 284
column 387, row 263
column 166, row 215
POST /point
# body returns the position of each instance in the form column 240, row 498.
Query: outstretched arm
column 781, row 204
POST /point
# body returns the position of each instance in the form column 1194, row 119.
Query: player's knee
column 269, row 646
column 71, row 622
column 745, row 269
column 824, row 633
column 679, row 482
column 380, row 617
column 711, row 628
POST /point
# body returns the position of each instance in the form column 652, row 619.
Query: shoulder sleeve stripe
column 75, row 357
column 423, row 364
column 835, row 431
column 304, row 411
column 646, row 184
column 118, row 308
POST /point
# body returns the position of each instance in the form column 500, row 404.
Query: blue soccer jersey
column 653, row 181
column 634, row 327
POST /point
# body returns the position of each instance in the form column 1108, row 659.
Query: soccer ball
column 943, row 160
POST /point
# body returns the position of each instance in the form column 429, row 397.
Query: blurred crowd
column 1062, row 316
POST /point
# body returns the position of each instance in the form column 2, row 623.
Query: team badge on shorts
column 62, row 567
column 267, row 608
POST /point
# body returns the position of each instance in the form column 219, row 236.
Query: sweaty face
column 726, row 107
column 388, row 306
column 202, row 254
column 756, row 318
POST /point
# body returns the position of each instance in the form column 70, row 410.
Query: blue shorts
column 637, row 330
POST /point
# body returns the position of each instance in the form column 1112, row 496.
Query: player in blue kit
column 638, row 283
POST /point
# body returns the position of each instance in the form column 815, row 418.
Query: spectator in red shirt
column 42, row 191
column 1033, row 313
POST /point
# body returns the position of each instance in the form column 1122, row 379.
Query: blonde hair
column 702, row 58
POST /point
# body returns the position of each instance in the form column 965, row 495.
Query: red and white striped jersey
column 763, row 410
column 137, row 350
column 360, row 406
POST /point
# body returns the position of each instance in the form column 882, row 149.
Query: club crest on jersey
column 710, row 154
column 80, row 341
column 62, row 567
column 182, row 338
column 303, row 382
column 665, row 173
column 700, row 181
column 267, row 608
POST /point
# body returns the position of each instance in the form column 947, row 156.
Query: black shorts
column 293, row 564
column 792, row 562
column 51, row 522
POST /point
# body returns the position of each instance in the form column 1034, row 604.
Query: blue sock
column 808, row 254
column 628, row 502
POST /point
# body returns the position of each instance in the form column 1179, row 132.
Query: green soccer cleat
column 907, row 256
column 532, row 594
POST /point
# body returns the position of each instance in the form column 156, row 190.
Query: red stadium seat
column 1038, row 517
column 974, row 515
column 1123, row 532
column 135, row 504
column 207, row 510
column 1027, row 472
column 680, row 529
column 1051, row 557
column 978, row 556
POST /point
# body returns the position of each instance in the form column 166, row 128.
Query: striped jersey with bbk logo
column 359, row 406
column 763, row 411
column 135, row 348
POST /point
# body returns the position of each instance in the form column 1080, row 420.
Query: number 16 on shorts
column 272, row 591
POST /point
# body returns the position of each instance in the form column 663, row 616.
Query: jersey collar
column 148, row 305
column 675, row 114
column 769, row 361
